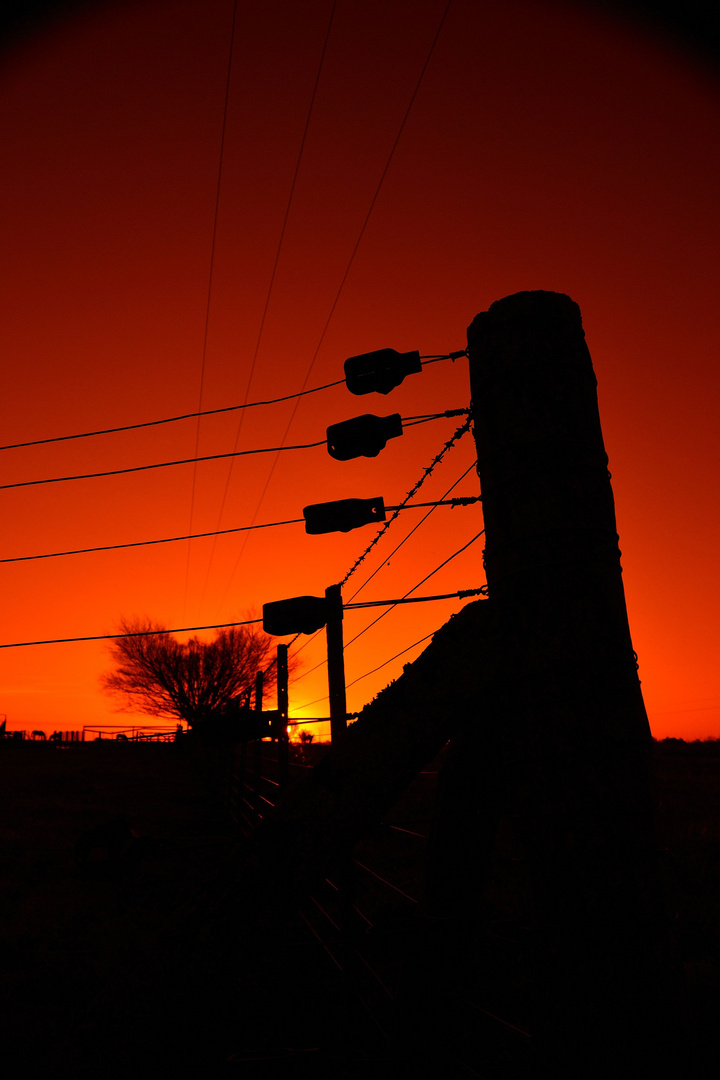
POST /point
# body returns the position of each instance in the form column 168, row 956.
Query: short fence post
column 282, row 704
column 348, row 930
column 257, row 747
column 240, row 776
column 336, row 664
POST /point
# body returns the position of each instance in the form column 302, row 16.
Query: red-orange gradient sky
column 550, row 146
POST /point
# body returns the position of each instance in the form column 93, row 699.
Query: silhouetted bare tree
column 193, row 680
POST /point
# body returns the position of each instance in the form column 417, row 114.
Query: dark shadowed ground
column 88, row 954
column 107, row 968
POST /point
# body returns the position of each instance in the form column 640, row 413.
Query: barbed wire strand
column 461, row 500
column 461, row 594
column 412, row 506
column 407, row 599
column 432, row 574
column 386, row 662
column 392, row 604
column 416, row 487
column 397, row 510
column 402, row 652
column 414, row 529
column 410, row 421
column 426, row 578
column 326, row 697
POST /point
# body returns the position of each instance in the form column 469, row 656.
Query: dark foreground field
column 105, row 970
column 97, row 965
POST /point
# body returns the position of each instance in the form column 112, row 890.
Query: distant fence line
column 119, row 732
column 22, row 735
column 134, row 732
column 98, row 732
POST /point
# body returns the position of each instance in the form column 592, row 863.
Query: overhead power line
column 271, row 285
column 172, row 419
column 147, row 543
column 135, row 633
column 213, row 626
column 216, row 215
column 192, row 415
column 221, row 532
column 351, row 260
column 209, row 288
column 381, row 181
column 192, row 460
column 159, row 465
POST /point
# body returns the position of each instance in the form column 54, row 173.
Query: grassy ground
column 688, row 788
column 107, row 969
column 102, row 969
column 92, row 959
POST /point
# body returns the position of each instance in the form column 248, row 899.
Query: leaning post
column 569, row 705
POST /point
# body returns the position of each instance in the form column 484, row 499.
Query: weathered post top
column 546, row 491
column 551, row 556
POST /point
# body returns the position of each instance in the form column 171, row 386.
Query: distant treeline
column 696, row 748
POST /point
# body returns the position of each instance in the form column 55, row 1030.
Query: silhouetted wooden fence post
column 336, row 664
column 257, row 747
column 282, row 704
column 575, row 730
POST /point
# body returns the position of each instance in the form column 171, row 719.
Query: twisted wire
column 436, row 461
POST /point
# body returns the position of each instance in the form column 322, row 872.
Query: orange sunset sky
column 548, row 146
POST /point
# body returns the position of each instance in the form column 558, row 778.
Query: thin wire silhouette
column 346, row 274
column 209, row 296
column 268, row 297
